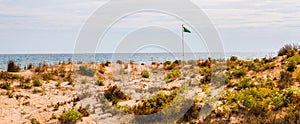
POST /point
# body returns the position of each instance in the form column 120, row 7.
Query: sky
column 36, row 26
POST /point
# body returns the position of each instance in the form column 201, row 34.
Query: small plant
column 56, row 107
column 238, row 73
column 9, row 94
column 172, row 75
column 53, row 116
column 58, row 84
column 70, row 116
column 288, row 49
column 145, row 74
column 5, row 85
column 37, row 90
column 285, row 79
column 233, row 58
column 12, row 67
column 205, row 88
column 100, row 82
column 84, row 112
column 83, row 81
column 114, row 94
column 83, row 70
column 34, row 121
column 37, row 83
column 244, row 83
column 27, row 86
column 291, row 65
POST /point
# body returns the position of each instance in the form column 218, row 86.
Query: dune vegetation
column 262, row 90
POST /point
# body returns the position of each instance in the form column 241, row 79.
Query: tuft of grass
column 286, row 78
column 34, row 121
column 288, row 49
column 9, row 94
column 83, row 81
column 100, row 82
column 37, row 83
column 172, row 75
column 233, row 58
column 12, row 67
column 244, row 83
column 145, row 74
column 85, row 71
column 70, row 116
column 5, row 85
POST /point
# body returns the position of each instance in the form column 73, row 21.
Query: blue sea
column 24, row 59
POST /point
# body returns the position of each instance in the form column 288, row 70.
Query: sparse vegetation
column 172, row 75
column 34, row 121
column 36, row 83
column 70, row 116
column 86, row 71
column 100, row 82
column 145, row 74
column 12, row 67
column 288, row 49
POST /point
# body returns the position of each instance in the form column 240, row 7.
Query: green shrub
column 12, row 67
column 84, row 112
column 34, row 121
column 297, row 74
column 270, row 65
column 205, row 88
column 286, row 78
column 37, row 83
column 83, row 70
column 145, row 74
column 100, row 82
column 5, row 85
column 114, row 94
column 71, row 116
column 238, row 73
column 84, row 81
column 56, row 107
column 27, row 86
column 153, row 104
column 172, row 75
column 9, row 94
column 257, row 100
column 244, row 83
column 233, row 58
column 291, row 65
column 288, row 49
column 47, row 76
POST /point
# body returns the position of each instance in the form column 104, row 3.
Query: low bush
column 5, row 85
column 145, row 74
column 238, row 73
column 172, row 75
column 286, row 78
column 34, row 121
column 114, row 94
column 100, row 82
column 70, row 116
column 153, row 104
column 36, row 83
column 12, row 67
column 233, row 58
column 288, row 49
column 83, row 70
column 244, row 83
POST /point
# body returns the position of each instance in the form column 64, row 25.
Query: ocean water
column 24, row 59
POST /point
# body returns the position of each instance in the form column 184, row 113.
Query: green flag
column 186, row 30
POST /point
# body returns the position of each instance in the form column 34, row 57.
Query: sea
column 23, row 60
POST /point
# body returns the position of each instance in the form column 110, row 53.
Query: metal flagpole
column 182, row 30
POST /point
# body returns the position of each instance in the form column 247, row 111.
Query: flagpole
column 182, row 30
